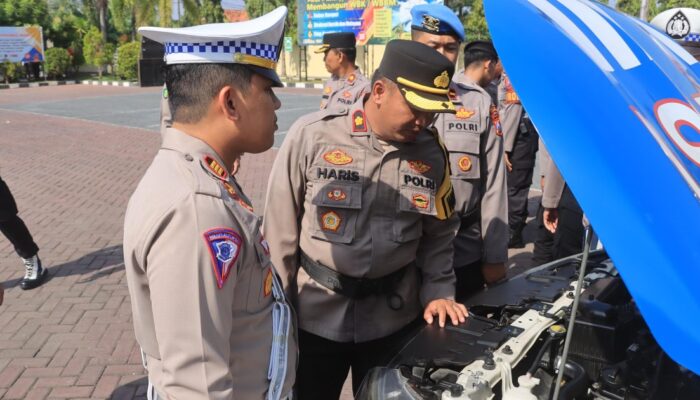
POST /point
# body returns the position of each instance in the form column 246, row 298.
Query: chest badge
column 337, row 157
column 337, row 195
column 224, row 246
column 465, row 163
column 463, row 113
column 330, row 221
column 420, row 201
column 419, row 166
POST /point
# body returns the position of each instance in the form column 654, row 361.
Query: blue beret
column 436, row 19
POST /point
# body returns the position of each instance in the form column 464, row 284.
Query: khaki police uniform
column 364, row 209
column 474, row 140
column 344, row 91
column 206, row 334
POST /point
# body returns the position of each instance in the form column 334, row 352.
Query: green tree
column 211, row 12
column 58, row 61
column 96, row 50
column 632, row 7
column 24, row 12
column 476, row 22
column 666, row 4
column 128, row 60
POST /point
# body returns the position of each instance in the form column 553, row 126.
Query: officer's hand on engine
column 442, row 308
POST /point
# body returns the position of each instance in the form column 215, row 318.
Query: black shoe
column 516, row 241
column 35, row 275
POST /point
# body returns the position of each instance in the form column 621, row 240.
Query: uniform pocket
column 335, row 206
column 464, row 155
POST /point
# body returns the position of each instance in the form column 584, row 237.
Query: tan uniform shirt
column 478, row 173
column 364, row 209
column 344, row 91
column 553, row 186
column 203, row 289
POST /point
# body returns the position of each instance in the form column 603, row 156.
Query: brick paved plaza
column 72, row 170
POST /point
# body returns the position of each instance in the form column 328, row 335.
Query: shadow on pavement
column 132, row 390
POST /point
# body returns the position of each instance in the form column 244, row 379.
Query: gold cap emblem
column 431, row 23
column 443, row 80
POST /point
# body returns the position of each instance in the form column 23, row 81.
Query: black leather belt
column 472, row 217
column 354, row 288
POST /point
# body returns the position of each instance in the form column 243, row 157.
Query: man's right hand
column 509, row 165
column 551, row 218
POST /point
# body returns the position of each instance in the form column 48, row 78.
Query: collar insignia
column 214, row 167
column 358, row 121
column 337, row 157
column 351, row 79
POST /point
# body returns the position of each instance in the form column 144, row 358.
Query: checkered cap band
column 266, row 51
column 692, row 37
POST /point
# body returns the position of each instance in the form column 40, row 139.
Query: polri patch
column 347, row 94
column 358, row 121
column 337, row 157
column 224, row 246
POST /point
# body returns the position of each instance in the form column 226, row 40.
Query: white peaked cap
column 255, row 42
column 679, row 23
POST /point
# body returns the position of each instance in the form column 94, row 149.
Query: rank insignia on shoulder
column 358, row 121
column 336, row 195
column 420, row 201
column 224, row 246
column 463, row 113
column 245, row 205
column 465, row 163
column 330, row 221
column 214, row 167
column 327, row 90
column 419, row 166
column 267, row 288
column 351, row 79
column 337, row 157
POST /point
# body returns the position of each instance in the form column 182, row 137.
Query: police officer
column 544, row 239
column 14, row 229
column 562, row 215
column 346, row 84
column 520, row 144
column 360, row 223
column 209, row 310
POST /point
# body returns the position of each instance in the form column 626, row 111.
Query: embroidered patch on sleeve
column 264, row 245
column 420, row 201
column 224, row 246
column 496, row 119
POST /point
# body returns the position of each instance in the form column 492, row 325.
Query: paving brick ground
column 73, row 337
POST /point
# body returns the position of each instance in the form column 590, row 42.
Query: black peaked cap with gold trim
column 337, row 40
column 422, row 74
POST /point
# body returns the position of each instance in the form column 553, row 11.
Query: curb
column 300, row 85
column 36, row 84
column 111, row 83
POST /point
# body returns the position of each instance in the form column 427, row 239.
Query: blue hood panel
column 616, row 103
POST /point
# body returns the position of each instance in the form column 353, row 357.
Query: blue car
column 617, row 104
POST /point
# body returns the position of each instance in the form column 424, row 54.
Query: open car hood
column 616, row 103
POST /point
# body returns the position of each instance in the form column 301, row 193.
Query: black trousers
column 324, row 364
column 12, row 225
column 568, row 238
column 519, row 181
column 544, row 240
column 469, row 280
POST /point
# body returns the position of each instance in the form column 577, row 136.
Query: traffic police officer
column 360, row 223
column 346, row 84
column 209, row 310
column 520, row 144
